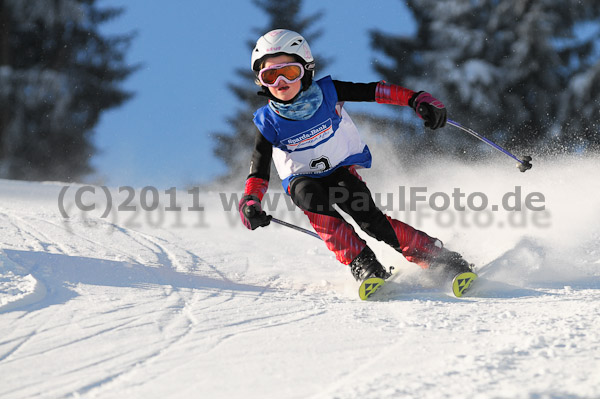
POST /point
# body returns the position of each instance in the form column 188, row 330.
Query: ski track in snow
column 95, row 308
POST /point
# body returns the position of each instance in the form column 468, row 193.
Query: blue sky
column 189, row 51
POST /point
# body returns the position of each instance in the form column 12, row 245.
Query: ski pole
column 293, row 226
column 523, row 165
column 249, row 212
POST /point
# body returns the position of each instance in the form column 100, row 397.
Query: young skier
column 317, row 149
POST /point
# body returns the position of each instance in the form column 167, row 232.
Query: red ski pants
column 345, row 188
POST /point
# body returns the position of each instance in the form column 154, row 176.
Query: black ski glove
column 252, row 214
column 431, row 110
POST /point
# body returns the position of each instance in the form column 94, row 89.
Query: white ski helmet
column 282, row 41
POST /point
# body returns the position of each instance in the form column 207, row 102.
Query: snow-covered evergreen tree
column 234, row 148
column 519, row 71
column 57, row 74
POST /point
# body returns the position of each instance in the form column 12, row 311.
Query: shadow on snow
column 58, row 271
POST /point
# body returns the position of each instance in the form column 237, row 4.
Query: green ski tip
column 369, row 286
column 462, row 282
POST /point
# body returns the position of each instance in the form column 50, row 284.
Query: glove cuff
column 256, row 186
column 392, row 94
column 424, row 97
column 411, row 101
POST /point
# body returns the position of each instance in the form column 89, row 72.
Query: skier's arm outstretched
column 425, row 105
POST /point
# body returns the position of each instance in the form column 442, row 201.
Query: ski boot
column 369, row 272
column 366, row 265
column 450, row 262
column 454, row 267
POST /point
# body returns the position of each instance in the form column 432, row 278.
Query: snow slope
column 179, row 304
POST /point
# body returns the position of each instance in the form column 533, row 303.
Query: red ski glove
column 250, row 208
column 429, row 109
column 252, row 214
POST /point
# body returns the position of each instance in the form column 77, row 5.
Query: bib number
column 321, row 163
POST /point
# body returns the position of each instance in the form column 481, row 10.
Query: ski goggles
column 290, row 72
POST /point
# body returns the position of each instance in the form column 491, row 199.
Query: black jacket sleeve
column 349, row 91
column 260, row 166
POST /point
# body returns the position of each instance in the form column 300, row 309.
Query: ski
column 369, row 286
column 460, row 285
column 462, row 282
